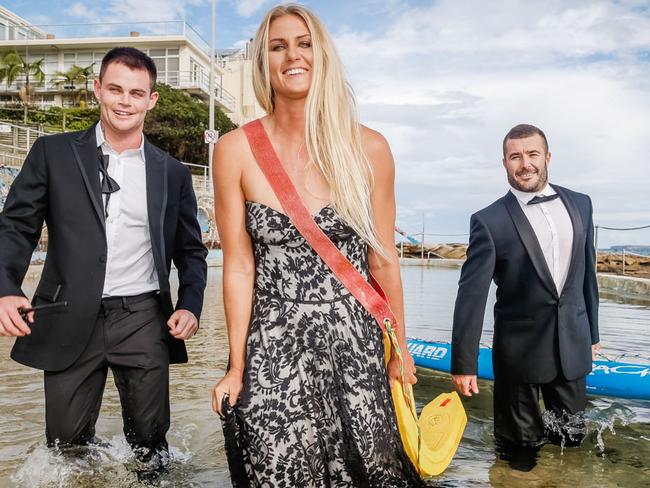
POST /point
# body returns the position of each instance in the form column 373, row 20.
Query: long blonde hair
column 332, row 131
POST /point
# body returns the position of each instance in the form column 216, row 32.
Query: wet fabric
column 316, row 409
column 131, row 340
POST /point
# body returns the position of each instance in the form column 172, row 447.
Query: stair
column 16, row 141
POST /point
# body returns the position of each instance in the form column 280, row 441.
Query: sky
column 445, row 80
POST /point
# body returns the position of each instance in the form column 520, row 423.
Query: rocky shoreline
column 610, row 263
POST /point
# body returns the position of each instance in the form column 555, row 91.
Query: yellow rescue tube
column 442, row 423
column 432, row 440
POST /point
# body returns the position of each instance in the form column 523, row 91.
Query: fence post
column 422, row 241
column 623, row 260
column 422, row 247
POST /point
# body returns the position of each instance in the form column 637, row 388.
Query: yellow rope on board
column 392, row 335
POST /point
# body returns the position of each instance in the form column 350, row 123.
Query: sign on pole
column 211, row 136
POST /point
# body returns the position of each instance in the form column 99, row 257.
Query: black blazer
column 59, row 184
column 538, row 332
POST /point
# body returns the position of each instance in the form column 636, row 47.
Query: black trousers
column 518, row 417
column 130, row 337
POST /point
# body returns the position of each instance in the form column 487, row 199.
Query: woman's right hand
column 231, row 384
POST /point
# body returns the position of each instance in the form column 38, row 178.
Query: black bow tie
column 109, row 185
column 541, row 199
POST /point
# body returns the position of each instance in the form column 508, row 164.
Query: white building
column 15, row 28
column 180, row 53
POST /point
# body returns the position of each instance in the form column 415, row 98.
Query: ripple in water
column 104, row 464
column 587, row 425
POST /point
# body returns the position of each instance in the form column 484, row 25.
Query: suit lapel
column 578, row 229
column 156, row 171
column 530, row 242
column 84, row 149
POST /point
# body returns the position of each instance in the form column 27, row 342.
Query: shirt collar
column 101, row 140
column 525, row 197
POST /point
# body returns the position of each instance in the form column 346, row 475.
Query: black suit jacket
column 59, row 184
column 538, row 332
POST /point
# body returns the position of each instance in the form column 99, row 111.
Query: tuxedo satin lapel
column 84, row 149
column 156, row 170
column 530, row 242
column 578, row 230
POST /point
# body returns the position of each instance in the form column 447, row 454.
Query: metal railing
column 11, row 160
column 625, row 253
column 200, row 178
column 125, row 29
column 17, row 140
column 188, row 80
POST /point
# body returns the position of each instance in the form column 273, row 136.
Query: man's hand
column 465, row 384
column 182, row 324
column 11, row 323
column 595, row 349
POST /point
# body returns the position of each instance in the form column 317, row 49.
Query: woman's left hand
column 394, row 373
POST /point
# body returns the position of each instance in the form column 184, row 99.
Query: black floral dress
column 316, row 409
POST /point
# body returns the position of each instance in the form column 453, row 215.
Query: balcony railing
column 197, row 81
column 188, row 80
column 123, row 29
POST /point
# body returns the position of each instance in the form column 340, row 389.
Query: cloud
column 81, row 11
column 246, row 8
column 519, row 33
column 133, row 10
column 447, row 81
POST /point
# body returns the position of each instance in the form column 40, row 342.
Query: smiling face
column 125, row 96
column 526, row 161
column 290, row 57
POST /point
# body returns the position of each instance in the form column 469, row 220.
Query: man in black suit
column 118, row 212
column 536, row 243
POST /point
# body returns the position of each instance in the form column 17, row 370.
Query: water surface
column 615, row 454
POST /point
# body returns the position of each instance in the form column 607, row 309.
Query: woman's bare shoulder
column 377, row 149
column 233, row 141
column 231, row 152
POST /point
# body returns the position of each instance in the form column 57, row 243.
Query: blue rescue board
column 608, row 378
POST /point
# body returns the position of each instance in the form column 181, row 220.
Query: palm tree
column 12, row 65
column 9, row 67
column 86, row 75
column 76, row 74
column 68, row 79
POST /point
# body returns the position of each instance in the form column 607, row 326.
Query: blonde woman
column 306, row 373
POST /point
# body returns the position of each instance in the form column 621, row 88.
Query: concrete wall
column 624, row 286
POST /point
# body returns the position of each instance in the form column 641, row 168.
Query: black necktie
column 109, row 185
column 541, row 199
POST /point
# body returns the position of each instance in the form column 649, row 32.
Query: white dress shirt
column 553, row 229
column 130, row 267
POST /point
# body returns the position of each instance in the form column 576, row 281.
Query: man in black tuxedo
column 118, row 212
column 536, row 243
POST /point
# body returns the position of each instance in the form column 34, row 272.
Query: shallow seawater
column 616, row 452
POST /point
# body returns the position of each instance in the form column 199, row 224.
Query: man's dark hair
column 524, row 130
column 131, row 57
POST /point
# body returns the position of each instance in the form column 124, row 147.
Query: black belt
column 132, row 303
